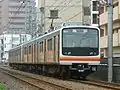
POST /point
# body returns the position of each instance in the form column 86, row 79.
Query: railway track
column 33, row 81
column 111, row 86
column 47, row 83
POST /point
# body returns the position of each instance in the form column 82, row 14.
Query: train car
column 71, row 49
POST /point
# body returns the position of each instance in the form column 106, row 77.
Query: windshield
column 80, row 41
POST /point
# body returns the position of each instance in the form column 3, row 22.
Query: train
column 70, row 49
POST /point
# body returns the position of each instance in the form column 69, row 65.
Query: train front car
column 80, row 49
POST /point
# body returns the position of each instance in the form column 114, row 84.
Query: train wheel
column 82, row 78
column 65, row 73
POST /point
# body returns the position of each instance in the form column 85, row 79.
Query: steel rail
column 98, row 83
column 32, row 80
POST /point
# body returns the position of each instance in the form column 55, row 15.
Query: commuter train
column 71, row 49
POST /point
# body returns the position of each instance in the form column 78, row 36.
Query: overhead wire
column 67, row 4
column 53, row 3
column 73, row 5
column 60, row 4
column 76, row 14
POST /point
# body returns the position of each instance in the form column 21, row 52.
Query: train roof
column 56, row 29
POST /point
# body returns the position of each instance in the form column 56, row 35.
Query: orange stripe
column 79, row 59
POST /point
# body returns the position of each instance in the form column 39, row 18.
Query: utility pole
column 42, row 10
column 110, row 40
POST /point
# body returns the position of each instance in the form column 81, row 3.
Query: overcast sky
column 36, row 3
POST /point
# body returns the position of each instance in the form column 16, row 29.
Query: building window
column 101, row 9
column 5, row 46
column 86, row 11
column 115, row 31
column 2, row 42
column 2, row 48
column 106, row 29
column 95, row 19
column 115, row 5
column 101, row 32
column 95, row 5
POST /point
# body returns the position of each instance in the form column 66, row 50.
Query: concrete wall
column 102, row 73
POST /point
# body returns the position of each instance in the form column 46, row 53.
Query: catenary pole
column 110, row 40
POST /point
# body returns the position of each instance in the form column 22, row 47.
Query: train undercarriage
column 79, row 71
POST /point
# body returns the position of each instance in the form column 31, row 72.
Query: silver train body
column 73, row 49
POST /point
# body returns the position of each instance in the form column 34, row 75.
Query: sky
column 36, row 3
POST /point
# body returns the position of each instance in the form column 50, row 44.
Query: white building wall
column 68, row 11
column 10, row 41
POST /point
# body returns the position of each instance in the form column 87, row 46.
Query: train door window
column 25, row 50
column 37, row 51
column 54, row 47
column 50, row 44
column 42, row 46
column 37, row 46
column 20, row 54
column 54, row 43
column 58, row 45
column 34, row 48
column 29, row 49
column 45, row 45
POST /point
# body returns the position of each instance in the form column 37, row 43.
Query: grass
column 2, row 86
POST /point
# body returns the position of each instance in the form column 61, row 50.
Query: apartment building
column 17, row 16
column 116, row 29
column 8, row 41
column 95, row 13
column 68, row 11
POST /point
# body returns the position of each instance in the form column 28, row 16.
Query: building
column 8, row 41
column 30, row 17
column 67, row 11
column 14, row 16
column 95, row 13
column 116, row 29
column 38, row 30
